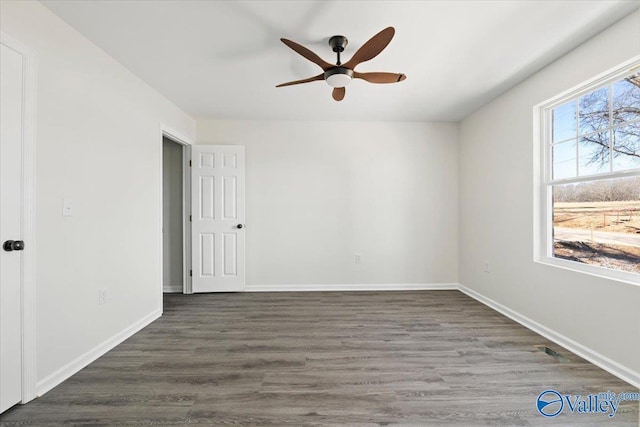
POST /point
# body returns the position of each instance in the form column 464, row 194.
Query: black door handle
column 240, row 225
column 13, row 245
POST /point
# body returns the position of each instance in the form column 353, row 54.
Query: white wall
column 98, row 144
column 386, row 190
column 320, row 192
column 496, row 211
column 172, row 216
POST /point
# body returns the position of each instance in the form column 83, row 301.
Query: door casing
column 166, row 132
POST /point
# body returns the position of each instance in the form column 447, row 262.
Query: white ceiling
column 222, row 59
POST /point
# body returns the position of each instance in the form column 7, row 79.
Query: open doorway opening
column 175, row 216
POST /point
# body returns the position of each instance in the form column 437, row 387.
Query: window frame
column 544, row 182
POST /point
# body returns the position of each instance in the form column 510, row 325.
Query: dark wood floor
column 332, row 358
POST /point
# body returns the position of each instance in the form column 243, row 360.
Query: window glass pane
column 626, row 99
column 594, row 111
column 597, row 223
column 593, row 154
column 626, row 147
column 564, row 121
column 564, row 160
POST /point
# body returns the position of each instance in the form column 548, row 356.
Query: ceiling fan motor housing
column 338, row 43
column 338, row 76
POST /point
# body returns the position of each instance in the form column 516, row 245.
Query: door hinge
column 189, row 218
column 190, row 272
column 189, row 163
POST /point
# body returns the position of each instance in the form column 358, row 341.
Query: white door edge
column 28, row 285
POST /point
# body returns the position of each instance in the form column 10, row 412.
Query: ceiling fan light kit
column 340, row 75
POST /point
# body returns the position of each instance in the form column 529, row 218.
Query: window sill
column 600, row 272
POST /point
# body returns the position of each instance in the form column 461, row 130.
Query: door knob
column 13, row 245
column 240, row 225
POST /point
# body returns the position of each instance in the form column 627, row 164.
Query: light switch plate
column 66, row 208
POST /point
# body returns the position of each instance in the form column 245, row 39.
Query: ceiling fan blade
column 297, row 82
column 380, row 77
column 372, row 48
column 308, row 54
column 338, row 93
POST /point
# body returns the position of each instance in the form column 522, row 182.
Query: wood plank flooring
column 427, row 358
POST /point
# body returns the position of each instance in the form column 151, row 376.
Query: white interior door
column 218, row 218
column 11, row 131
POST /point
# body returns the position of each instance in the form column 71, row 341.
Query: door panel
column 11, row 131
column 208, row 251
column 229, row 197
column 207, row 197
column 217, row 176
column 230, row 254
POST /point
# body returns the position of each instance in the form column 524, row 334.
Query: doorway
column 175, row 216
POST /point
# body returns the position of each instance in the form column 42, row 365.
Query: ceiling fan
column 340, row 75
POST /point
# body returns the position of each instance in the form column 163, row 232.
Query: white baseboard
column 597, row 359
column 586, row 353
column 82, row 361
column 172, row 288
column 353, row 287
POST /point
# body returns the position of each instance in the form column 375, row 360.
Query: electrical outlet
column 358, row 259
column 102, row 296
column 486, row 267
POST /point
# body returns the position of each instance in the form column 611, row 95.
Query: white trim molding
column 73, row 367
column 186, row 143
column 586, row 353
column 174, row 135
column 28, row 285
column 353, row 287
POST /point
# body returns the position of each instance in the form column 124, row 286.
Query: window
column 588, row 197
